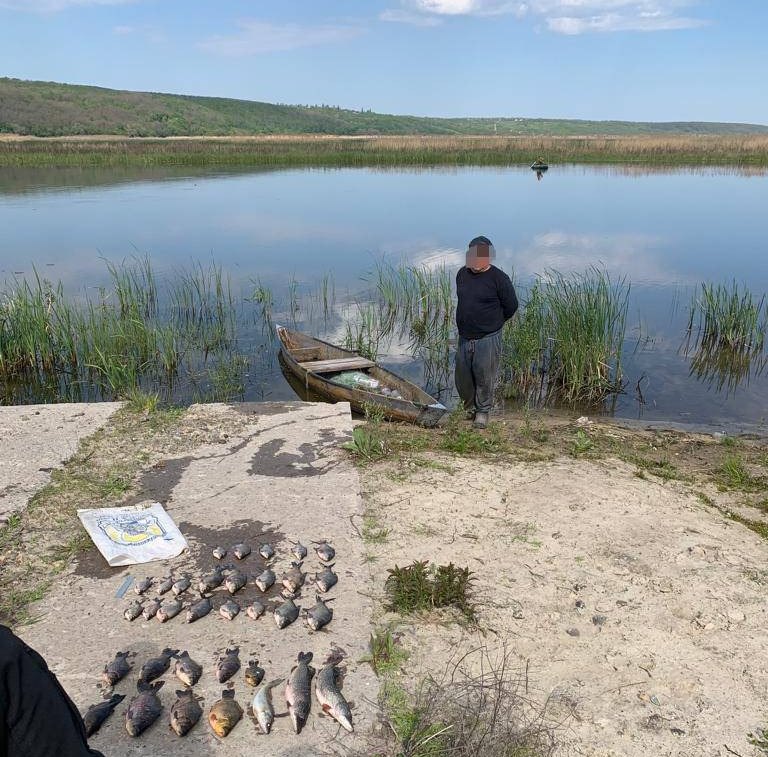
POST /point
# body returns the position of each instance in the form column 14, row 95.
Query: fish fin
column 305, row 657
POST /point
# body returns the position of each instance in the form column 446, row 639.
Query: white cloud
column 54, row 6
column 561, row 16
column 149, row 33
column 256, row 37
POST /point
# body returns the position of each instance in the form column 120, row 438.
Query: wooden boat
column 319, row 366
column 538, row 165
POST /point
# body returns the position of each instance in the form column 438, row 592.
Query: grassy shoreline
column 332, row 151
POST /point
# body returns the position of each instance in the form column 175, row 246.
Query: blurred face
column 479, row 257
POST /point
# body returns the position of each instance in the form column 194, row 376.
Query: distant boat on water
column 539, row 165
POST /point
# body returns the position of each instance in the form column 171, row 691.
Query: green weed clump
column 733, row 474
column 385, row 653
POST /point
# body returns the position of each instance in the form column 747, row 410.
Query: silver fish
column 293, row 578
column 169, row 609
column 144, row 709
column 181, row 585
column 267, row 551
column 320, row 615
column 235, row 581
column 254, row 673
column 229, row 610
column 96, row 714
column 330, row 697
column 228, row 664
column 256, row 610
column 299, row 551
column 187, row 670
column 141, row 586
column 156, row 666
column 199, row 610
column 297, row 693
column 286, row 613
column 133, row 610
column 225, row 714
column 151, row 608
column 261, row 704
column 325, row 551
column 241, row 550
column 326, row 580
column 266, row 580
column 165, row 584
column 117, row 668
column 185, row 712
column 212, row 580
column 219, row 552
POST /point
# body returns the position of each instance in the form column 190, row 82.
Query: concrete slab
column 35, row 439
column 281, row 478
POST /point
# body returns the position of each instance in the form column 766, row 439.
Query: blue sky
column 656, row 60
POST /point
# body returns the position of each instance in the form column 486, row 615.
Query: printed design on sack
column 132, row 529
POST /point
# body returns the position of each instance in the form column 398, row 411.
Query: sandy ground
column 38, row 438
column 639, row 614
column 280, row 477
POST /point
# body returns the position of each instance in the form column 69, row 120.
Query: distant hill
column 49, row 109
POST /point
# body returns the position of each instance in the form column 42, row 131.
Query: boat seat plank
column 337, row 364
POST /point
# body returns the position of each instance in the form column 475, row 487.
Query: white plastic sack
column 135, row 534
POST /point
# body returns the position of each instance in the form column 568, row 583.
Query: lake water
column 665, row 231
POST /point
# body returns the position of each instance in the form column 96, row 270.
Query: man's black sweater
column 486, row 301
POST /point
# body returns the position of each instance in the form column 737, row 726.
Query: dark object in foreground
column 318, row 365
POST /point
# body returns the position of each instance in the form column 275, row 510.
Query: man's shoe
column 481, row 420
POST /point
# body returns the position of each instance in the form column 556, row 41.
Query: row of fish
column 145, row 708
column 323, row 549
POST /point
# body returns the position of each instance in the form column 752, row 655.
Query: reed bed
column 308, row 150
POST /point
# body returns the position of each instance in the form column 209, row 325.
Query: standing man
column 486, row 301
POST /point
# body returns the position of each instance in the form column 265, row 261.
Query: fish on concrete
column 165, row 584
column 324, row 550
column 320, row 615
column 293, row 578
column 228, row 664
column 229, row 610
column 212, row 580
column 241, row 551
column 225, row 714
column 261, row 704
column 133, row 610
column 266, row 580
column 117, row 668
column 256, row 610
column 181, row 585
column 187, row 670
column 144, row 709
column 286, row 613
column 169, row 609
column 326, row 580
column 299, row 551
column 297, row 691
column 185, row 712
column 285, row 594
column 199, row 610
column 235, row 581
column 96, row 714
column 141, row 586
column 330, row 697
column 219, row 552
column 156, row 666
column 254, row 673
column 151, row 608
column 267, row 551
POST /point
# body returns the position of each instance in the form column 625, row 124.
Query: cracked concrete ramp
column 278, row 477
column 35, row 439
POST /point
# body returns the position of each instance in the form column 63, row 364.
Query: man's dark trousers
column 477, row 365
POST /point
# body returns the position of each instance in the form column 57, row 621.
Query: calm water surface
column 664, row 231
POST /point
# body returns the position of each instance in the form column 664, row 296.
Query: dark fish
column 293, row 578
column 265, row 580
column 228, row 665
column 144, row 709
column 219, row 552
column 229, row 610
column 297, row 693
column 181, row 585
column 156, row 666
column 254, row 674
column 330, row 697
column 285, row 594
column 187, row 670
column 326, row 580
column 169, row 609
column 143, row 585
column 262, row 705
column 117, row 669
column 299, row 551
column 133, row 610
column 286, row 613
column 225, row 714
column 241, row 550
column 212, row 580
column 235, row 581
column 255, row 610
column 320, row 615
column 325, row 551
column 199, row 610
column 185, row 712
column 165, row 584
column 98, row 713
column 151, row 608
column 267, row 551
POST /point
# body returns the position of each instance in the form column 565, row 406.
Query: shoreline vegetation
column 382, row 151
